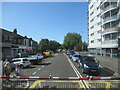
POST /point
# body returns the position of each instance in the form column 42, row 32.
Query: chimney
column 15, row 31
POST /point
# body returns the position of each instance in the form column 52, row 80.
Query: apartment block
column 104, row 27
column 12, row 44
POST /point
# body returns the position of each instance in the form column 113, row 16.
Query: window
column 114, row 36
column 99, row 23
column 99, row 32
column 92, row 41
column 92, row 27
column 98, row 14
column 97, row 7
column 91, row 13
column 91, row 7
column 91, row 20
column 99, row 40
column 92, row 34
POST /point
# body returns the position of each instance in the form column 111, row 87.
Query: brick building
column 14, row 44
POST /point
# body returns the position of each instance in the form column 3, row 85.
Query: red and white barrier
column 63, row 78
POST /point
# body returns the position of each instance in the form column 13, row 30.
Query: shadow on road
column 104, row 72
column 43, row 64
column 29, row 67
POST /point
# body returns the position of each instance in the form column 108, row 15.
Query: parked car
column 35, row 59
column 47, row 54
column 75, row 57
column 70, row 54
column 89, row 64
column 23, row 62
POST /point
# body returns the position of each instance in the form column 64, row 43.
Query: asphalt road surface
column 61, row 66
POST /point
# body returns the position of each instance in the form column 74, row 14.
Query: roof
column 86, row 55
column 18, row 58
column 11, row 33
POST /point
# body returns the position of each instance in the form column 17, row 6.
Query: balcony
column 110, row 44
column 114, row 17
column 118, row 15
column 108, row 8
column 110, row 29
column 119, row 26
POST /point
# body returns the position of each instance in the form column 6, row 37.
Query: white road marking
column 39, row 69
column 27, row 85
column 43, row 66
column 77, row 72
column 34, row 73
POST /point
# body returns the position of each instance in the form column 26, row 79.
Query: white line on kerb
column 77, row 72
column 34, row 73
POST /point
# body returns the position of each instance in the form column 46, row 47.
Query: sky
column 52, row 20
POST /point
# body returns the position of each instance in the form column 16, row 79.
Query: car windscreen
column 16, row 60
column 76, row 55
column 90, row 59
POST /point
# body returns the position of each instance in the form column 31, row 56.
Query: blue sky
column 52, row 20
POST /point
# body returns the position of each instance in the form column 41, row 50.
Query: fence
column 28, row 82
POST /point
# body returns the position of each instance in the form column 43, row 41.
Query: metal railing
column 109, row 7
column 115, row 28
column 110, row 18
column 110, row 42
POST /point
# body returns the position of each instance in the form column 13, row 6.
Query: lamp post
column 81, row 39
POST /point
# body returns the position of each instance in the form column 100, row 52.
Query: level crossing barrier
column 58, row 82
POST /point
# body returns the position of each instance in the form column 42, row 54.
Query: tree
column 72, row 41
column 85, row 45
column 44, row 45
column 54, row 45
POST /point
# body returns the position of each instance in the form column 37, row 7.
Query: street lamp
column 81, row 39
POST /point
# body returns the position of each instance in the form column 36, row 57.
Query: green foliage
column 45, row 44
column 54, row 45
column 85, row 45
column 72, row 41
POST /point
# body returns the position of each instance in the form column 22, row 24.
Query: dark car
column 89, row 64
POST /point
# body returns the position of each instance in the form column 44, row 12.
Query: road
column 61, row 66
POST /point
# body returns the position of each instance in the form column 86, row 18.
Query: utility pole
column 81, row 39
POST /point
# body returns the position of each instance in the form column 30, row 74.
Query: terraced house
column 104, row 27
column 14, row 45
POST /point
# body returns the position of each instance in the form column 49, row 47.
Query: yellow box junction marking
column 38, row 82
column 108, row 84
